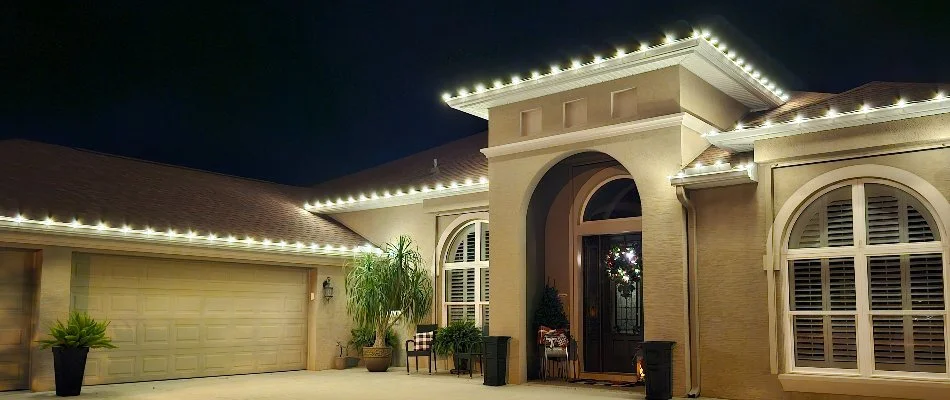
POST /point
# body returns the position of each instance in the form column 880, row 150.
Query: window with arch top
column 465, row 272
column 617, row 198
column 866, row 283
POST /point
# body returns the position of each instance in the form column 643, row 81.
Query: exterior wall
column 733, row 224
column 703, row 100
column 657, row 94
column 328, row 320
column 649, row 157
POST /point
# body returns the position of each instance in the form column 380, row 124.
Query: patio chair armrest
column 413, row 344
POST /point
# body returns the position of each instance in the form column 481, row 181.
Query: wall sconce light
column 327, row 289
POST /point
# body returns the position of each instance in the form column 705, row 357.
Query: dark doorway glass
column 618, row 198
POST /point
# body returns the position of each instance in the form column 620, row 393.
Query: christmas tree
column 550, row 312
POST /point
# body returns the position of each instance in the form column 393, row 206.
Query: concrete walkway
column 348, row 384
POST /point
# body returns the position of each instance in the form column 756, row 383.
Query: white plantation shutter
column 460, row 285
column 466, row 275
column 828, row 222
column 902, row 263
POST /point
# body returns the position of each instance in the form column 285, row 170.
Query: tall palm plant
column 384, row 289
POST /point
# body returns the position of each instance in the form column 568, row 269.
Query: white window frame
column 478, row 265
column 860, row 252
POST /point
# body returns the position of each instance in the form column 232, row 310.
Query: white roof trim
column 742, row 139
column 715, row 176
column 400, row 198
column 101, row 230
column 707, row 58
column 601, row 132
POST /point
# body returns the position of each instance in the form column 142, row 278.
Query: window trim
column 865, row 366
column 478, row 265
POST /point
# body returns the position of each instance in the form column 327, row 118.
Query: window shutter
column 484, row 314
column 811, row 234
column 841, row 289
column 457, row 312
column 470, row 246
column 485, row 284
column 844, row 342
column 806, row 285
column 485, row 246
column 459, row 253
column 926, row 281
column 883, row 220
column 930, row 350
column 809, row 340
column 460, row 285
column 884, row 279
column 888, row 342
column 840, row 223
column 918, row 229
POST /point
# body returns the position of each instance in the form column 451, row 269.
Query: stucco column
column 508, row 274
column 328, row 319
column 54, row 271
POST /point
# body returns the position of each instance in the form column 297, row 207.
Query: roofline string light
column 172, row 236
column 832, row 114
column 621, row 52
column 423, row 190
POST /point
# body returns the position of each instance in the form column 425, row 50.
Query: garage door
column 16, row 301
column 181, row 319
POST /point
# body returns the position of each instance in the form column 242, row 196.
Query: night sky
column 301, row 92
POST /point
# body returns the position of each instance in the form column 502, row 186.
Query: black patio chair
column 428, row 353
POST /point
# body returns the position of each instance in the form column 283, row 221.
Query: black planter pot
column 69, row 365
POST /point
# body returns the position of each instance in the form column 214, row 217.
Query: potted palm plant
column 457, row 338
column 384, row 289
column 71, row 343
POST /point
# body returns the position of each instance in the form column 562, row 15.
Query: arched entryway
column 585, row 214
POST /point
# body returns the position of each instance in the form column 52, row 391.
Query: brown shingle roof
column 713, row 154
column 458, row 160
column 874, row 94
column 40, row 180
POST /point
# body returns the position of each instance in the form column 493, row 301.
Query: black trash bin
column 496, row 360
column 658, row 368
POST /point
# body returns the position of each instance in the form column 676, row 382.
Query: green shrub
column 457, row 337
column 366, row 337
column 80, row 330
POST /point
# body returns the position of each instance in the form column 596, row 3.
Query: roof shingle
column 41, row 180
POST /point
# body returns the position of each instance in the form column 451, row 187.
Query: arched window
column 618, row 198
column 866, row 283
column 465, row 270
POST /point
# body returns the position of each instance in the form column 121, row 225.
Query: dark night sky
column 300, row 92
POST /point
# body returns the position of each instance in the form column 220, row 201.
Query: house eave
column 696, row 54
column 718, row 176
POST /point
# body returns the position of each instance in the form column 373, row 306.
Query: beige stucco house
column 792, row 243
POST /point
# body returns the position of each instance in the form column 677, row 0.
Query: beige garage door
column 16, row 301
column 182, row 319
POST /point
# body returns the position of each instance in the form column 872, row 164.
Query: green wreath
column 624, row 268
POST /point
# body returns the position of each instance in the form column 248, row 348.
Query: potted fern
column 71, row 343
column 384, row 289
column 458, row 338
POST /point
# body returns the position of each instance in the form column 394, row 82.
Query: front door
column 613, row 317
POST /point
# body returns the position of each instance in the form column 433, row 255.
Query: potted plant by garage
column 384, row 289
column 457, row 338
column 366, row 337
column 71, row 343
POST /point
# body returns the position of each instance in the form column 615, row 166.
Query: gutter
column 692, row 301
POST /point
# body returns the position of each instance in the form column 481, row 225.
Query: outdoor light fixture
column 327, row 289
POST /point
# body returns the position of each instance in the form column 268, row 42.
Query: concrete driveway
column 348, row 384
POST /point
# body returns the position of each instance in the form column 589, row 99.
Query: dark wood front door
column 613, row 319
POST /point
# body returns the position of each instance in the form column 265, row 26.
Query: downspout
column 692, row 300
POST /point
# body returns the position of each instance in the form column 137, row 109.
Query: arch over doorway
column 582, row 206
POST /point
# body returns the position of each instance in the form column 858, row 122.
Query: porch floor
column 353, row 383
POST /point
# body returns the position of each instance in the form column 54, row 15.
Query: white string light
column 148, row 234
column 438, row 187
column 621, row 52
column 832, row 114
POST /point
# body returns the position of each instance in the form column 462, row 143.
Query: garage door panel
column 183, row 319
column 16, row 294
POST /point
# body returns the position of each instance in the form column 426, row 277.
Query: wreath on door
column 624, row 268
